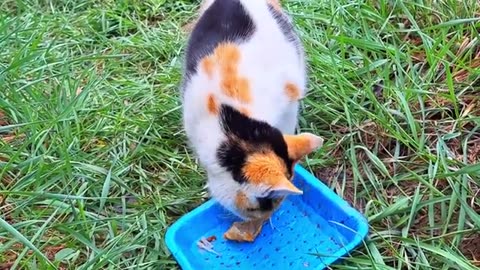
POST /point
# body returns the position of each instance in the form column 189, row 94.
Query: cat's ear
column 302, row 144
column 283, row 188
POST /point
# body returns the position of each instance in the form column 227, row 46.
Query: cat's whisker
column 271, row 224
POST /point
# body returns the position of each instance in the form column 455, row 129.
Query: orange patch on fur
column 227, row 54
column 241, row 201
column 212, row 105
column 243, row 90
column 233, row 85
column 244, row 111
column 264, row 168
column 228, row 85
column 208, row 65
column 270, row 170
column 237, row 88
column 292, row 91
column 275, row 4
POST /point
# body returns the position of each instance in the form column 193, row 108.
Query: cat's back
column 260, row 30
column 244, row 53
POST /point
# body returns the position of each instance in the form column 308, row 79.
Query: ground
column 93, row 160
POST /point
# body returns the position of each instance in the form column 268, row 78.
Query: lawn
column 94, row 165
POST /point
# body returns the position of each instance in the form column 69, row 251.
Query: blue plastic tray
column 310, row 231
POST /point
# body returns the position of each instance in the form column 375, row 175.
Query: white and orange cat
column 244, row 76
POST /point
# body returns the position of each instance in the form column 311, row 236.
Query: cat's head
column 261, row 159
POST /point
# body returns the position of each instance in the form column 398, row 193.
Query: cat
column 244, row 76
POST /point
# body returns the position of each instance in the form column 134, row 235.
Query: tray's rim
column 312, row 180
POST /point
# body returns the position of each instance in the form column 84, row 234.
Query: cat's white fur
column 269, row 61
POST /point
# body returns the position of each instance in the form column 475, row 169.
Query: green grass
column 94, row 165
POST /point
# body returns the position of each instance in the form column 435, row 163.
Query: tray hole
column 291, row 264
column 277, row 249
column 237, row 263
column 289, row 242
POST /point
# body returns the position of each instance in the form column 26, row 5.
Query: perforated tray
column 310, row 231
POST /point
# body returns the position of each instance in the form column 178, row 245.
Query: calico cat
column 244, row 76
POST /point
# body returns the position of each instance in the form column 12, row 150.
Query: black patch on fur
column 255, row 133
column 286, row 26
column 232, row 157
column 265, row 204
column 223, row 21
